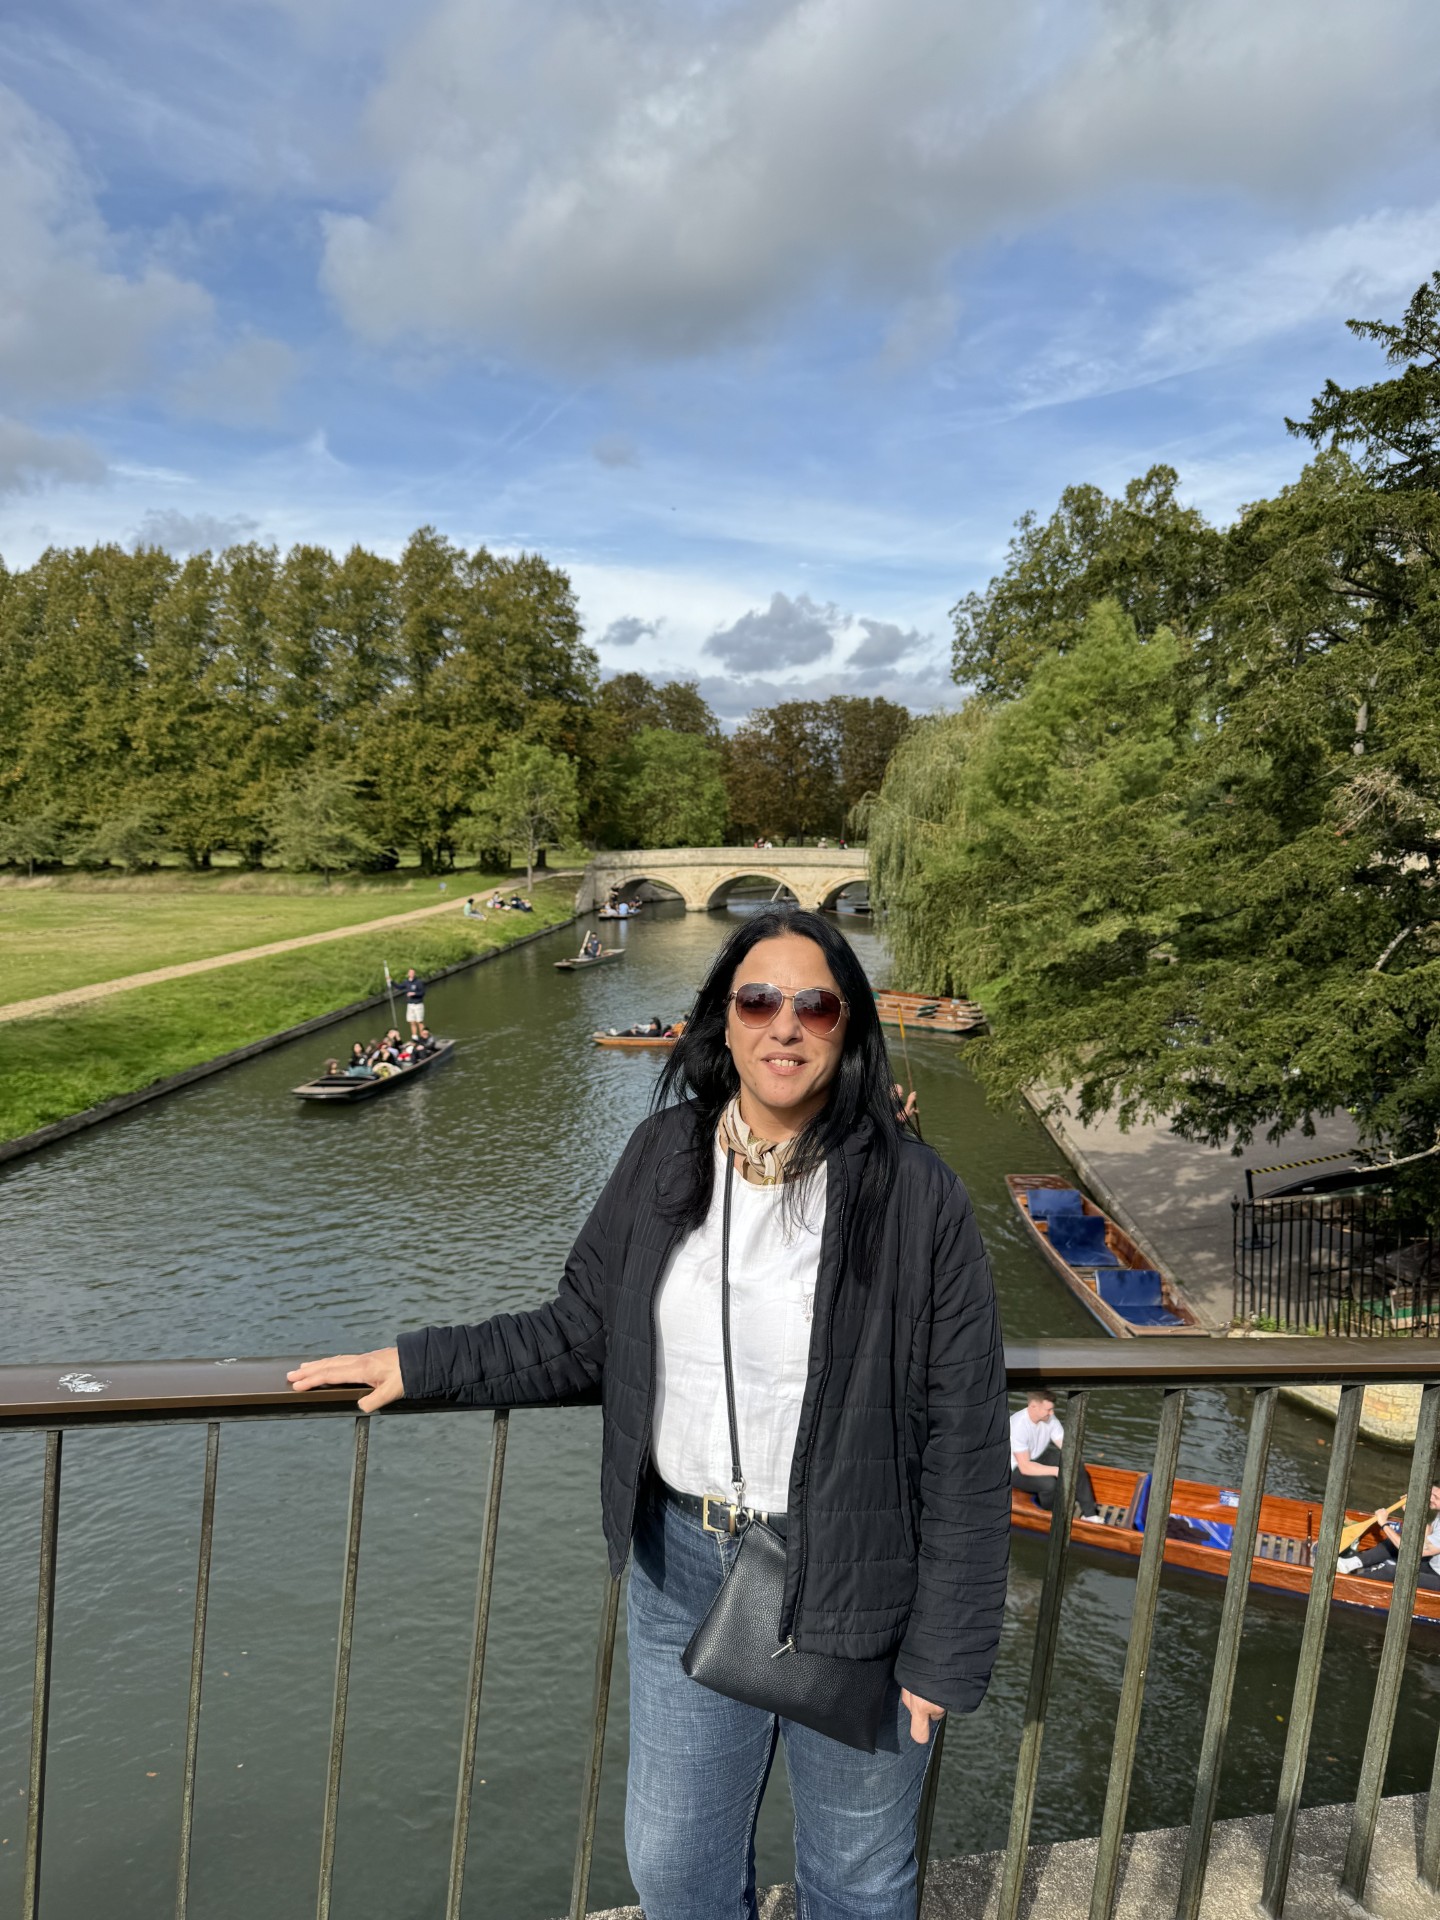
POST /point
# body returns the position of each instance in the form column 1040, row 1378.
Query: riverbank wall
column 59, row 1130
column 1058, row 1877
column 1174, row 1198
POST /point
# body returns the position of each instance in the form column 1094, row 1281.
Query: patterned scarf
column 762, row 1162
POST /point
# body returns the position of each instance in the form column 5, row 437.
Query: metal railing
column 1350, row 1265
column 33, row 1399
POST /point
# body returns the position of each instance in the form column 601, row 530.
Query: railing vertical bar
column 590, row 1794
column 1430, row 1841
column 344, row 1640
column 1042, row 1660
column 1312, row 1649
column 1137, row 1655
column 197, row 1667
column 1392, row 1653
column 1227, row 1656
column 925, row 1818
column 44, row 1648
column 464, row 1790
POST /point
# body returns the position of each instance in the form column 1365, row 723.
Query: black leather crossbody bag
column 736, row 1648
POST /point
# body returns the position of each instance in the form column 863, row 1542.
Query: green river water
column 233, row 1220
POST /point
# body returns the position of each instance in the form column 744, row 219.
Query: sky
column 764, row 319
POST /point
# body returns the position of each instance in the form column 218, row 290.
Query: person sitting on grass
column 495, row 903
column 519, row 904
column 1036, row 1438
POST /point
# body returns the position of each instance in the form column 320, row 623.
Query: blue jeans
column 699, row 1763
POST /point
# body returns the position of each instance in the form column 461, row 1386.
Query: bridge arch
column 721, row 889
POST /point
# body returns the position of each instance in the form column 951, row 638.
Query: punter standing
column 414, row 990
column 854, row 1416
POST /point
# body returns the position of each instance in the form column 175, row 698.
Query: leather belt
column 717, row 1515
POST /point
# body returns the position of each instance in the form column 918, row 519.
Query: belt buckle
column 705, row 1506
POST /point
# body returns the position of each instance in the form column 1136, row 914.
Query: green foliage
column 33, row 840
column 675, row 791
column 131, row 839
column 1193, row 868
column 801, row 767
column 531, row 802
column 1158, row 560
column 315, row 820
column 627, row 705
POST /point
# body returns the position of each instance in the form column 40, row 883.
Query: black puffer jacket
column 900, row 1494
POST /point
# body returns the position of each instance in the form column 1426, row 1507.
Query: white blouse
column 772, row 1304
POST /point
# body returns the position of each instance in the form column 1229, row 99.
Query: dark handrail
column 133, row 1391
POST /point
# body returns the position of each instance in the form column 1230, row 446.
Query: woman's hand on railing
column 922, row 1714
column 380, row 1371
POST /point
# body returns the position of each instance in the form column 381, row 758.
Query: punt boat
column 922, row 1013
column 1097, row 1260
column 634, row 1040
column 1200, row 1532
column 339, row 1089
column 579, row 960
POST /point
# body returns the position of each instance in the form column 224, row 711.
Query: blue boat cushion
column 1046, row 1202
column 1080, row 1239
column 1136, row 1295
column 1205, row 1533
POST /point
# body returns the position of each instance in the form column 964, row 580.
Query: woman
column 870, row 1393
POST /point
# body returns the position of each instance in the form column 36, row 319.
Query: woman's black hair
column 862, row 1094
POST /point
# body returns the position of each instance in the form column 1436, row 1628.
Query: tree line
column 1182, row 837
column 332, row 712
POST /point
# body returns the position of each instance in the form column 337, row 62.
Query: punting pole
column 390, row 995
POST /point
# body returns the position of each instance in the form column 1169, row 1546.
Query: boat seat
column 1046, row 1202
column 1281, row 1546
column 1114, row 1516
column 1136, row 1294
column 1080, row 1239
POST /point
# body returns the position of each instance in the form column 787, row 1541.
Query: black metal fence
column 1354, row 1265
column 48, row 1401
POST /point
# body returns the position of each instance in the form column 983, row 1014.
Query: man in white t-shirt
column 1036, row 1438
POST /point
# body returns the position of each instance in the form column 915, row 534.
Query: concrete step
column 1058, row 1877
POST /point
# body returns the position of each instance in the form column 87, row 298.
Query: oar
column 1349, row 1535
column 905, row 1049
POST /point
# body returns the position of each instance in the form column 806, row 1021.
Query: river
column 232, row 1219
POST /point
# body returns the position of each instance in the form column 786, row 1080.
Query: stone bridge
column 702, row 876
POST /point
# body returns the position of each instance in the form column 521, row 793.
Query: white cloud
column 74, row 323
column 629, row 628
column 787, row 633
column 585, row 185
column 180, row 532
column 30, row 459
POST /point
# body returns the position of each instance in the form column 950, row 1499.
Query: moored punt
column 579, row 960
column 922, row 1013
column 634, row 1039
column 1284, row 1547
column 1097, row 1260
column 341, row 1089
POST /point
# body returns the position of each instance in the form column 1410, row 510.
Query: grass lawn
column 53, row 937
column 63, row 1063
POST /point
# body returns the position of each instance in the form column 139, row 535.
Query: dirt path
column 79, row 996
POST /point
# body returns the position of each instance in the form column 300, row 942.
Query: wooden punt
column 340, row 1091
column 633, row 1040
column 921, row 1013
column 581, row 960
column 1284, row 1548
column 1082, row 1280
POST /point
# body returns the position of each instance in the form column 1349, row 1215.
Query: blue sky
column 764, row 318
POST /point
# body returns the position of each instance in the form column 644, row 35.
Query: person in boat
column 590, row 948
column 414, row 990
column 424, row 1045
column 359, row 1067
column 674, row 1030
column 1036, row 1438
column 1380, row 1561
column 332, row 1071
column 357, row 1055
column 855, row 1250
column 653, row 1030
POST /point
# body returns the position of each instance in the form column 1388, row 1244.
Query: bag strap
column 737, row 1478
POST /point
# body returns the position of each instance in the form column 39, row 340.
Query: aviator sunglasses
column 816, row 1008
